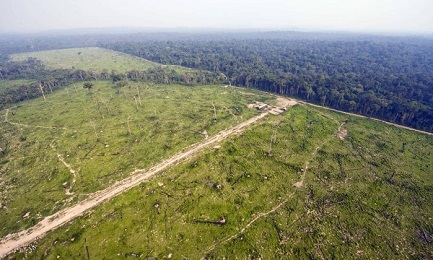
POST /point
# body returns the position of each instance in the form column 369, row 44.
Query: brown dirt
column 342, row 133
column 284, row 102
column 299, row 184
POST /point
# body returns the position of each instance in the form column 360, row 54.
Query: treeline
column 43, row 80
column 386, row 78
column 158, row 74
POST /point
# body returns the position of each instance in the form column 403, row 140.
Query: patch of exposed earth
column 342, row 132
column 285, row 102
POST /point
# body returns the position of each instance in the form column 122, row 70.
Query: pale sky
column 347, row 15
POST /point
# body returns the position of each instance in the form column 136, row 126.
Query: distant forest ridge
column 389, row 78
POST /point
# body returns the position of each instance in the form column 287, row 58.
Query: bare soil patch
column 299, row 184
column 285, row 102
column 342, row 133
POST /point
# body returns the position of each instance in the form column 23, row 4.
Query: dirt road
column 346, row 113
column 361, row 116
column 15, row 241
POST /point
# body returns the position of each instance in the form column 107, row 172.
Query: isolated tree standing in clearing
column 120, row 85
column 88, row 86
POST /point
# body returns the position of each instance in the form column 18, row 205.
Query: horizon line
column 156, row 29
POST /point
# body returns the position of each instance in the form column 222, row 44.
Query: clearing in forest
column 57, row 151
column 237, row 199
column 90, row 58
column 306, row 183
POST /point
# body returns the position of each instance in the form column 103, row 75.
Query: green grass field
column 103, row 134
column 293, row 186
column 351, row 204
column 91, row 58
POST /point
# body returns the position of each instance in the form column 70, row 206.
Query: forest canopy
column 390, row 78
column 386, row 79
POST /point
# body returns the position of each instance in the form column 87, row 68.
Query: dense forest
column 386, row 77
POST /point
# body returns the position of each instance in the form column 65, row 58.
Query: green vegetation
column 103, row 133
column 11, row 84
column 386, row 78
column 309, row 183
column 91, row 58
column 364, row 195
column 60, row 68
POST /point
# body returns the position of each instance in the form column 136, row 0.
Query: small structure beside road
column 274, row 110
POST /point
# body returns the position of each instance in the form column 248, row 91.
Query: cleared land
column 366, row 195
column 77, row 142
column 310, row 183
column 15, row 241
column 375, row 119
column 93, row 58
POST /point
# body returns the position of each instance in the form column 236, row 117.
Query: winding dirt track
column 15, row 241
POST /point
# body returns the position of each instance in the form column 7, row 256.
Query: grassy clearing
column 91, row 58
column 102, row 135
column 365, row 196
